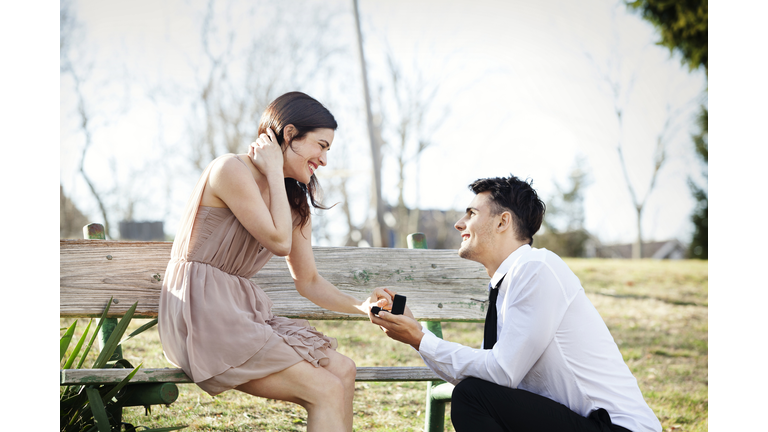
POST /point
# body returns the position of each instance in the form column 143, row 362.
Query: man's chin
column 465, row 253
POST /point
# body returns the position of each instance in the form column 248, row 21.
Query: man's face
column 477, row 228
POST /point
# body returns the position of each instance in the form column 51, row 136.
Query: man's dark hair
column 519, row 198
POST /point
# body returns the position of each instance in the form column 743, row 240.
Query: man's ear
column 289, row 132
column 505, row 222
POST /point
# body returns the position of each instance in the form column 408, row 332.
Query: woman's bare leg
column 344, row 368
column 318, row 390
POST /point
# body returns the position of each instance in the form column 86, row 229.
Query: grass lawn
column 656, row 311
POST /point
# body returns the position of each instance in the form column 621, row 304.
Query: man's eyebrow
column 469, row 209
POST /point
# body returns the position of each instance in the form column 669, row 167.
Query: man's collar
column 508, row 263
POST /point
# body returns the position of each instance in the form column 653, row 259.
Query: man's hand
column 402, row 328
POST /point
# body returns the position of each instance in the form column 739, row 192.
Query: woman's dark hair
column 517, row 196
column 305, row 114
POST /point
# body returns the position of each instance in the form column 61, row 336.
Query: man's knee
column 466, row 396
column 469, row 407
column 467, row 390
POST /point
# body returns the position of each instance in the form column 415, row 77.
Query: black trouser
column 478, row 405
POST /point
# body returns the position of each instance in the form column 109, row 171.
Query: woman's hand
column 266, row 154
column 381, row 297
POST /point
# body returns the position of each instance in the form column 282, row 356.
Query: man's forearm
column 457, row 362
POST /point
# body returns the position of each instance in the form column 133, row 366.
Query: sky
column 35, row 165
column 521, row 90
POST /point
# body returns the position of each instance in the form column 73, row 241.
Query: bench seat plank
column 439, row 285
column 177, row 376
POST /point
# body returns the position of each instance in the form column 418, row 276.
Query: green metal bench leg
column 438, row 393
column 434, row 419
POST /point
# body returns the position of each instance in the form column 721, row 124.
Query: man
column 548, row 361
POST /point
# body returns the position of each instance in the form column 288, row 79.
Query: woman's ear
column 289, row 132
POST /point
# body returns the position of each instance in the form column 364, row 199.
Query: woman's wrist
column 275, row 177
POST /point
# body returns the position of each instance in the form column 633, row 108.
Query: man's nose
column 459, row 225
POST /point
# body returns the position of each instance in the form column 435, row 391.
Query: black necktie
column 489, row 334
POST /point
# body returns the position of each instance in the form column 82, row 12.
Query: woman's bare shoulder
column 227, row 171
column 230, row 166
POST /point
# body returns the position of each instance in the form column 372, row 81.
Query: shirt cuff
column 428, row 345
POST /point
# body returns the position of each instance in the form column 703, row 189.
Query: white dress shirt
column 551, row 341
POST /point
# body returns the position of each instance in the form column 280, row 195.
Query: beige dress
column 214, row 322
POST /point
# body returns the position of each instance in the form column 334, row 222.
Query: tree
column 698, row 246
column 240, row 74
column 68, row 31
column 406, row 117
column 240, row 56
column 682, row 24
column 620, row 85
column 71, row 219
column 380, row 238
column 620, row 95
column 683, row 27
column 96, row 89
column 563, row 224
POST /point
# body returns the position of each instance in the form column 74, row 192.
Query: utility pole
column 380, row 237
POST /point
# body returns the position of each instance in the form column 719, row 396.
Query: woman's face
column 307, row 154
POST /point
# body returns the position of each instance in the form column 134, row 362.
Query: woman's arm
column 233, row 183
column 309, row 283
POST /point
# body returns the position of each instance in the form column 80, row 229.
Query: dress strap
column 241, row 161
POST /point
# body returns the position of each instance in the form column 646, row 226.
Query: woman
column 214, row 322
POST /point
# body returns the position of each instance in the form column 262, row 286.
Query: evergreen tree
column 698, row 246
column 682, row 24
column 563, row 225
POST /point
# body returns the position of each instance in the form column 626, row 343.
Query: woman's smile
column 306, row 154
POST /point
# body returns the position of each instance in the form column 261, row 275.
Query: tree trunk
column 637, row 248
column 380, row 238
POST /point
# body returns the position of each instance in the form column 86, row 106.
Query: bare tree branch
column 69, row 25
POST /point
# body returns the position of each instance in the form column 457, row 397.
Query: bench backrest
column 439, row 285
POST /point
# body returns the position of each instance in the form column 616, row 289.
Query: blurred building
column 668, row 249
column 143, row 231
column 437, row 225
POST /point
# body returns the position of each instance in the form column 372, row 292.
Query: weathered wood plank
column 439, row 285
column 399, row 373
column 114, row 376
column 177, row 376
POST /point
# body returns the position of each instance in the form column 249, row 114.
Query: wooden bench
column 439, row 285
